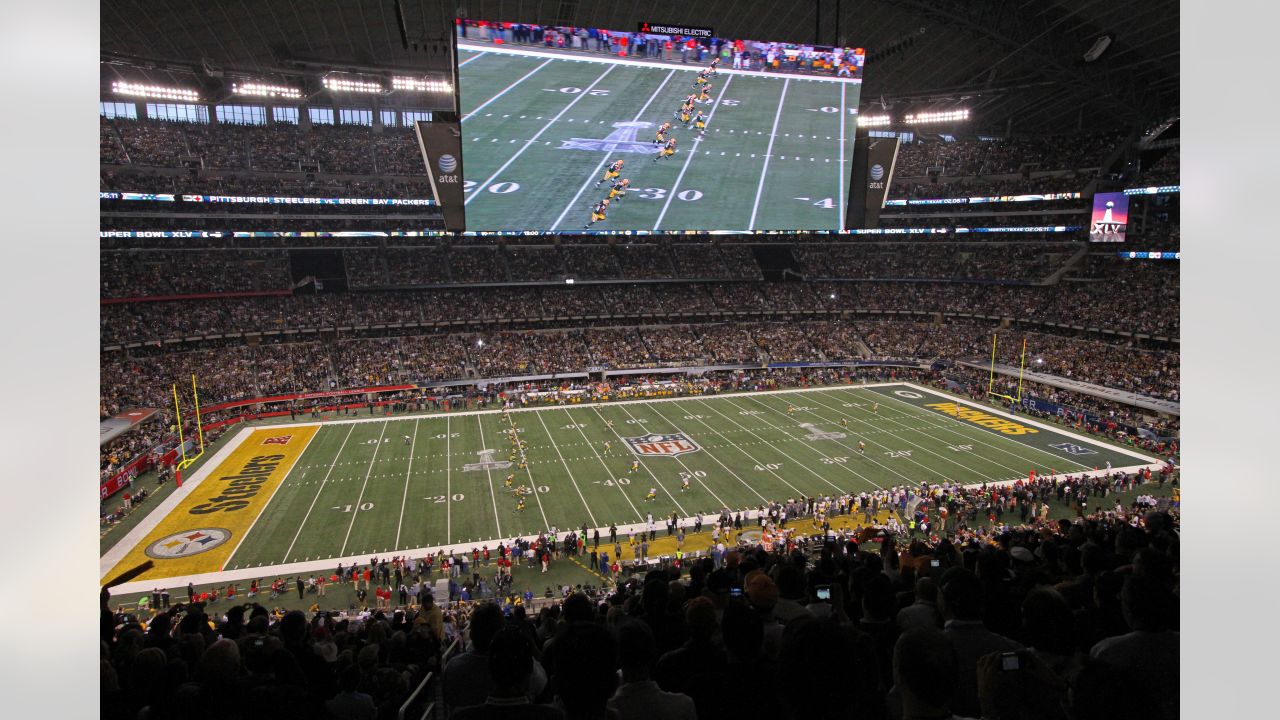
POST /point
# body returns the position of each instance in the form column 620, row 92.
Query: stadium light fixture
column 479, row 343
column 937, row 117
column 266, row 90
column 568, row 281
column 343, row 82
column 874, row 120
column 414, row 84
column 154, row 91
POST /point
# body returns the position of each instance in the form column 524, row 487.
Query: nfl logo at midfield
column 655, row 444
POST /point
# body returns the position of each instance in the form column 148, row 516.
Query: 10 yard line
column 605, row 159
column 504, row 90
column 413, row 444
column 534, row 139
column 689, row 158
column 318, row 490
column 356, row 510
column 768, row 153
column 448, row 485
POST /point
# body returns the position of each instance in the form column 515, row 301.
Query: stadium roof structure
column 1016, row 65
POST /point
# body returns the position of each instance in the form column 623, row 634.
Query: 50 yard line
column 605, row 159
column 586, row 91
column 768, row 154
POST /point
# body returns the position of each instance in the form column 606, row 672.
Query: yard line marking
column 687, row 469
column 448, row 485
column 576, row 424
column 273, row 494
column 473, row 57
column 585, row 505
column 356, row 510
column 546, row 524
column 780, row 450
column 407, row 473
column 492, row 496
column 839, row 167
column 768, row 151
column 605, row 159
column 642, row 464
column 967, row 436
column 537, row 135
column 985, row 477
column 318, row 490
column 689, row 158
column 904, row 426
column 504, row 91
column 726, row 467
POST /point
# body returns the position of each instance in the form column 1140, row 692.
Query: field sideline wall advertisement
column 659, row 128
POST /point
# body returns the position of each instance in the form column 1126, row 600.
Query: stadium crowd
column 1003, row 156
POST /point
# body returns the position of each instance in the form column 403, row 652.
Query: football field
column 539, row 129
column 289, row 498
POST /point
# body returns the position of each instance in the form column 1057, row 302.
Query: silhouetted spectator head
column 1047, row 621
column 700, row 615
column 924, row 671
column 1105, row 692
column 510, row 662
column 926, row 590
column 486, row 621
column 577, row 608
column 961, row 595
column 637, row 650
column 586, row 660
column 1148, row 606
column 743, row 631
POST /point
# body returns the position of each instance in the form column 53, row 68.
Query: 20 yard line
column 448, row 485
column 404, row 500
column 504, row 90
column 533, row 140
column 323, row 480
column 605, row 159
column 356, row 510
column 768, row 154
column 689, row 158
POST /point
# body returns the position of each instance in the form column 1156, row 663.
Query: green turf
column 353, row 495
column 519, row 177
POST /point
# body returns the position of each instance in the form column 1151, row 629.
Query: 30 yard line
column 412, row 444
column 556, row 447
column 687, row 469
column 768, row 154
column 605, row 159
column 533, row 484
column 689, row 157
column 711, row 455
column 504, row 91
column 356, row 509
column 531, row 141
column 324, row 480
column 492, row 496
column 643, row 465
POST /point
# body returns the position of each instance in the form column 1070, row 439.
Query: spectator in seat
column 924, row 611
column 639, row 697
column 970, row 639
column 925, row 673
column 586, row 670
column 350, row 703
column 1150, row 651
column 511, row 666
column 467, row 680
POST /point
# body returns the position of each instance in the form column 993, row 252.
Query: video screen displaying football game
column 586, row 130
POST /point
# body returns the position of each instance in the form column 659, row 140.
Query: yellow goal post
column 991, row 380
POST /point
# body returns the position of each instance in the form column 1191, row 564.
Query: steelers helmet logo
column 447, row 163
column 187, row 543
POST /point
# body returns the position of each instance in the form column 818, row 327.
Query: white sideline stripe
column 117, row 552
column 323, row 480
column 537, row 135
column 605, row 159
column 355, row 510
column 267, row 504
column 245, row 574
column 504, row 90
column 689, row 158
column 614, row 60
column 768, row 155
column 303, row 568
column 477, row 56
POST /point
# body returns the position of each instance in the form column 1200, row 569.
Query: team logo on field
column 187, row 543
column 277, row 440
column 486, row 463
column 623, row 139
column 1073, row 449
column 816, row 434
column 655, row 444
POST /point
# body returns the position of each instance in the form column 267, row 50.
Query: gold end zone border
column 206, row 527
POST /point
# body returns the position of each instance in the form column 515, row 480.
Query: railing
column 444, row 658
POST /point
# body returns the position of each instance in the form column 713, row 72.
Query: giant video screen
column 585, row 130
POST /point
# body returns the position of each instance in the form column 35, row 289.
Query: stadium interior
column 220, row 125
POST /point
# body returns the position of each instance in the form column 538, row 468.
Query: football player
column 511, row 478
column 653, row 494
column 611, row 172
column 686, row 112
column 661, row 137
column 635, row 465
column 705, row 95
column 684, row 484
column 667, row 150
column 619, row 189
column 598, row 212
column 700, row 124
